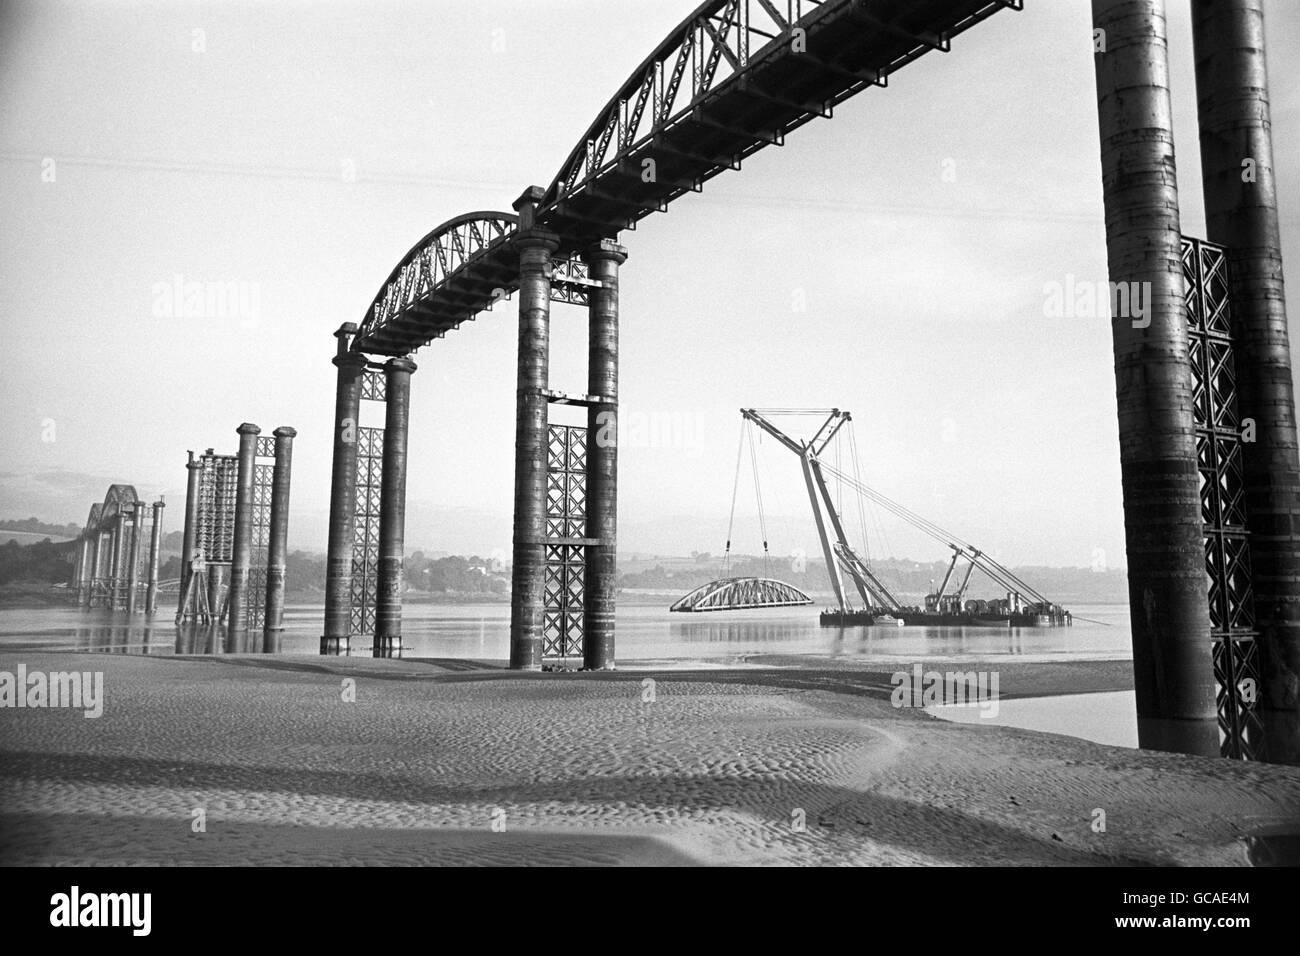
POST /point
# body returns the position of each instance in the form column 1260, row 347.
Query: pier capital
column 605, row 250
column 400, row 363
column 526, row 206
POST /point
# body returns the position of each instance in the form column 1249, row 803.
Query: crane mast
column 839, row 554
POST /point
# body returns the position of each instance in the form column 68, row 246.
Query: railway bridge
column 1212, row 543
column 122, row 538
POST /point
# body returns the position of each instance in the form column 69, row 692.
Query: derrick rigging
column 730, row 593
column 1024, row 605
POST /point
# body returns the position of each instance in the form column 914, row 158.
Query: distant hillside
column 41, row 529
column 44, row 562
column 31, row 537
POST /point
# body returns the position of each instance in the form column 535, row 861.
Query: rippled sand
column 432, row 765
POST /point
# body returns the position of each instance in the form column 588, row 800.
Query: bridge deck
column 769, row 93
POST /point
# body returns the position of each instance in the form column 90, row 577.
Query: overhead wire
column 991, row 567
column 758, row 496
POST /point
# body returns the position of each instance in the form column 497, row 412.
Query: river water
column 653, row 636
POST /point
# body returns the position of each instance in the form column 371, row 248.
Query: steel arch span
column 734, row 594
column 445, row 275
column 733, row 77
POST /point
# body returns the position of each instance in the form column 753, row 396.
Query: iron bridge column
column 115, row 561
column 1241, row 215
column 86, row 570
column 392, row 509
column 343, row 494
column 242, row 549
column 1164, row 532
column 133, row 557
column 96, row 564
column 155, row 552
column 188, row 543
column 600, row 589
column 277, row 546
column 535, row 248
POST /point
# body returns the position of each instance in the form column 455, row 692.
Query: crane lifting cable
column 729, row 593
column 758, row 498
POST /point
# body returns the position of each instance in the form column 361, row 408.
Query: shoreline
column 744, row 765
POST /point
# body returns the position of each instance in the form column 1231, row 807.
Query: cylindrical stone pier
column 133, row 558
column 392, row 509
column 77, row 568
column 535, row 248
column 1173, row 673
column 241, row 551
column 603, row 261
column 214, row 584
column 188, row 536
column 96, row 565
column 277, row 548
column 1241, row 214
column 86, row 568
column 343, row 494
column 115, row 562
column 155, row 555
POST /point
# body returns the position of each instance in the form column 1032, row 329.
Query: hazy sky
column 297, row 150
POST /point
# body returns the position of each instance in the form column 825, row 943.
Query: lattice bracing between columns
column 365, row 530
column 218, row 490
column 563, row 604
column 263, row 482
column 1219, row 457
column 374, row 386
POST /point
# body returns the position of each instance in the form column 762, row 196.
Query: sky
column 892, row 261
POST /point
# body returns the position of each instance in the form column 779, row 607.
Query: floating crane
column 1024, row 606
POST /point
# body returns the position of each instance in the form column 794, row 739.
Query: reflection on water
column 482, row 632
column 785, row 636
column 156, row 639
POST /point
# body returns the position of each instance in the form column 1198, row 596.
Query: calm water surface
column 482, row 632
column 655, row 636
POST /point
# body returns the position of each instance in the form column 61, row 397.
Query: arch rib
column 446, row 278
column 734, row 594
column 733, row 77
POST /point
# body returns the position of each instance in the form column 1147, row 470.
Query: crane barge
column 1023, row 606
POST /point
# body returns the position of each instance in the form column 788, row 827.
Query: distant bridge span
column 732, row 78
column 1212, row 544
